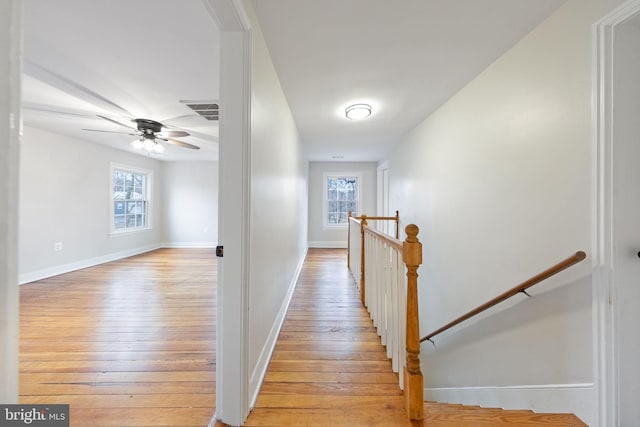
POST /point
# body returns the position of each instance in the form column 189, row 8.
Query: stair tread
column 456, row 415
column 447, row 407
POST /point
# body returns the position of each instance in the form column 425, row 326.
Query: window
column 341, row 195
column 130, row 194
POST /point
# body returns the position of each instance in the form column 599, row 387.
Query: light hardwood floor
column 328, row 367
column 128, row 343
column 132, row 343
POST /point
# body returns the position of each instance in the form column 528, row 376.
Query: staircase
column 329, row 369
column 455, row 415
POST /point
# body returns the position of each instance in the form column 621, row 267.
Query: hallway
column 328, row 367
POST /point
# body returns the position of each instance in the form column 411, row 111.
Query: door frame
column 10, row 134
column 232, row 316
column 605, row 288
column 382, row 178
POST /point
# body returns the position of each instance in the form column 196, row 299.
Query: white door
column 626, row 215
column 383, row 198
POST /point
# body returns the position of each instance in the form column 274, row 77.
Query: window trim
column 325, row 177
column 148, row 197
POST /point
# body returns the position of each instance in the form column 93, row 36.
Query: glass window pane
column 129, row 199
column 342, row 197
column 118, row 222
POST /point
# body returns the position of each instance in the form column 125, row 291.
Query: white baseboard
column 260, row 369
column 328, row 244
column 84, row 263
column 190, row 245
column 579, row 399
column 90, row 262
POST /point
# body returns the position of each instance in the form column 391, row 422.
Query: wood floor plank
column 102, row 388
column 128, row 343
column 142, row 417
column 331, row 377
column 129, row 400
column 111, row 377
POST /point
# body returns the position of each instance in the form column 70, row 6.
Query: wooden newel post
column 363, row 224
column 413, row 381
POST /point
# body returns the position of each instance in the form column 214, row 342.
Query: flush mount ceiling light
column 358, row 111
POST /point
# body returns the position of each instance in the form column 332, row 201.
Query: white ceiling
column 404, row 57
column 138, row 59
column 121, row 59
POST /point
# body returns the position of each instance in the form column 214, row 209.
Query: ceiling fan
column 149, row 133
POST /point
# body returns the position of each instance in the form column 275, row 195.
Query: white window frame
column 148, row 198
column 325, row 207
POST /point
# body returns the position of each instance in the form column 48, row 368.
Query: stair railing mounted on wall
column 392, row 302
column 521, row 288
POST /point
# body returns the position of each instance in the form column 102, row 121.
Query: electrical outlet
column 57, row 246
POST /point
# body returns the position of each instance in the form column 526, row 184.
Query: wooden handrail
column 521, row 288
column 363, row 221
column 395, row 218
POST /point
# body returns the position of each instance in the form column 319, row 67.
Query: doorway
column 626, row 212
column 617, row 241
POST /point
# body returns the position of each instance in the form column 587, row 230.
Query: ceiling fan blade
column 188, row 117
column 116, row 122
column 180, row 143
column 71, row 87
column 111, row 131
column 174, row 133
column 48, row 109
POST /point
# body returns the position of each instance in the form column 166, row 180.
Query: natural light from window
column 130, row 191
column 341, row 195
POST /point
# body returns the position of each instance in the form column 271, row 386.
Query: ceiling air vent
column 208, row 110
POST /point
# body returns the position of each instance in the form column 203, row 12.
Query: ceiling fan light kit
column 150, row 135
column 149, row 145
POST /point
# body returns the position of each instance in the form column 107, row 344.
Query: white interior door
column 383, row 198
column 626, row 215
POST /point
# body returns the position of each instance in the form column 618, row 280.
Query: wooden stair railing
column 392, row 302
column 356, row 234
column 521, row 288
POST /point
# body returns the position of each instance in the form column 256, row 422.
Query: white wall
column 190, row 204
column 319, row 235
column 64, row 197
column 278, row 230
column 498, row 180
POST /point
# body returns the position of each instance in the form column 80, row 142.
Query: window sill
column 335, row 227
column 117, row 233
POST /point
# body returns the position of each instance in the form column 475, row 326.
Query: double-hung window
column 130, row 198
column 341, row 195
